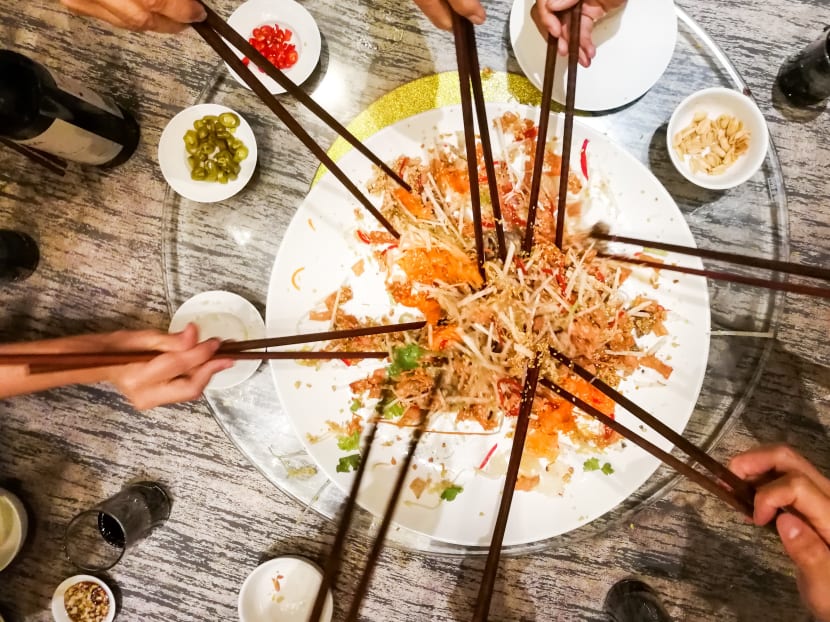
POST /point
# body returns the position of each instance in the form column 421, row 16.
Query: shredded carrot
column 413, row 204
column 311, row 224
column 294, row 278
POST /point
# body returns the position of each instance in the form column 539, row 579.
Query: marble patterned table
column 100, row 235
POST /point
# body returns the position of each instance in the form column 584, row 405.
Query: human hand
column 544, row 14
column 787, row 480
column 166, row 16
column 439, row 12
column 179, row 375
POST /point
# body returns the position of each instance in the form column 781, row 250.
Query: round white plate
column 715, row 102
column 287, row 14
column 326, row 220
column 59, row 610
column 173, row 156
column 634, row 47
column 227, row 316
column 13, row 527
column 298, row 580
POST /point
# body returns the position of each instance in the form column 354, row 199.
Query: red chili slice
column 583, row 158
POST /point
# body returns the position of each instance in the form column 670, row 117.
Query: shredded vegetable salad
column 481, row 334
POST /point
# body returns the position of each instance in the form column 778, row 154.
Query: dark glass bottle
column 19, row 255
column 804, row 78
column 60, row 116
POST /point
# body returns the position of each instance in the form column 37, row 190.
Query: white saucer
column 287, row 14
column 13, row 527
column 298, row 580
column 173, row 156
column 59, row 610
column 227, row 316
column 634, row 47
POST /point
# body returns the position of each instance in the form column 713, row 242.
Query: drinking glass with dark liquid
column 97, row 539
column 19, row 255
column 804, row 78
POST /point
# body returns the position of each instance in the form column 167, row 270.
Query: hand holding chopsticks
column 153, row 368
column 553, row 18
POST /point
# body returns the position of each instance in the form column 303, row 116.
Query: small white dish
column 287, row 14
column 282, row 589
column 226, row 316
column 714, row 102
column 59, row 612
column 13, row 527
column 634, row 47
column 173, row 156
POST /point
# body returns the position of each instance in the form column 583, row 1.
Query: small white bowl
column 173, row 156
column 59, row 612
column 226, row 316
column 13, row 527
column 286, row 14
column 714, row 102
column 298, row 580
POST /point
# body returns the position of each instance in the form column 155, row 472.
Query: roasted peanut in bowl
column 717, row 138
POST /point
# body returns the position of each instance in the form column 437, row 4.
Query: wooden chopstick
column 213, row 39
column 567, row 134
column 484, row 134
column 463, row 59
column 329, row 335
column 491, row 568
column 331, row 569
column 241, row 43
column 391, row 505
column 49, row 363
column 742, row 488
column 776, row 265
column 46, row 160
column 234, row 350
column 781, row 286
column 678, row 465
column 541, row 141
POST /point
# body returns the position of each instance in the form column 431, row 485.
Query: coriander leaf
column 591, row 464
column 348, row 463
column 393, row 410
column 356, row 405
column 451, row 492
column 349, row 443
column 607, row 468
column 393, row 371
column 406, row 357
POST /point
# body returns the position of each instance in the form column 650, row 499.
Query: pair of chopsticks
column 232, row 350
column 567, row 134
column 472, row 95
column 720, row 481
column 773, row 265
column 46, row 160
column 331, row 568
column 214, row 29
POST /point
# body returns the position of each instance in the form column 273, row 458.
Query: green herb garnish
column 349, row 443
column 393, row 410
column 451, row 492
column 405, row 358
column 348, row 463
column 356, row 405
column 592, row 464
